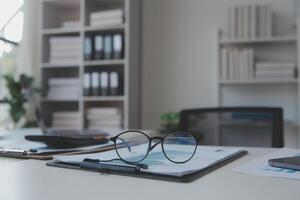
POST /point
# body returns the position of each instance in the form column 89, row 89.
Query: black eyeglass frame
column 150, row 147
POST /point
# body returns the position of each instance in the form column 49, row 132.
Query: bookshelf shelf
column 53, row 66
column 104, row 62
column 104, row 28
column 275, row 39
column 59, row 100
column 56, row 15
column 58, row 31
column 104, row 98
column 258, row 81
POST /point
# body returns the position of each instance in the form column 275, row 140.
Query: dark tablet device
column 69, row 140
column 286, row 163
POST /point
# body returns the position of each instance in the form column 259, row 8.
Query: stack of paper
column 64, row 88
column 260, row 166
column 71, row 24
column 237, row 63
column 104, row 118
column 64, row 50
column 66, row 120
column 275, row 70
column 107, row 18
column 250, row 21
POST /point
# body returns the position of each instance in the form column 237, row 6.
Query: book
column 231, row 22
column 269, row 21
column 231, row 64
column 224, row 64
column 250, row 63
column 275, row 65
column 66, row 115
column 103, row 111
column 108, row 22
column 107, row 14
column 71, row 24
column 254, row 21
column 275, row 74
column 63, row 82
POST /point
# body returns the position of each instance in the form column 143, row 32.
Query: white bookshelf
column 278, row 92
column 53, row 13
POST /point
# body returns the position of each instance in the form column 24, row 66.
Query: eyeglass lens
column 179, row 147
column 129, row 151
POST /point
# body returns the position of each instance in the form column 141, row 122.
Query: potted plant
column 17, row 100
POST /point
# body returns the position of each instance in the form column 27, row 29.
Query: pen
column 94, row 164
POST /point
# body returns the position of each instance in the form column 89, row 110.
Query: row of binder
column 104, row 47
column 102, row 83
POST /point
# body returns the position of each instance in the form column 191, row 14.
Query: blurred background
column 119, row 64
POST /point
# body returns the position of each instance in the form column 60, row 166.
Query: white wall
column 179, row 64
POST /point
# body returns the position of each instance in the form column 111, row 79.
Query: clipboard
column 149, row 175
column 29, row 154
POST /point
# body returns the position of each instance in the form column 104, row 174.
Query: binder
column 88, row 48
column 117, row 46
column 114, row 83
column 95, row 83
column 130, row 171
column 108, row 47
column 104, row 83
column 98, row 47
column 87, row 84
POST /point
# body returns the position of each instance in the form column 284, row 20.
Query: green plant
column 169, row 121
column 16, row 99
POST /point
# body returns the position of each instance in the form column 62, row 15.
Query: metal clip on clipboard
column 17, row 151
column 97, row 165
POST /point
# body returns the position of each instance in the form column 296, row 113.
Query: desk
column 32, row 180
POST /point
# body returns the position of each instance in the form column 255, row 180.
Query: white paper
column 158, row 163
column 260, row 166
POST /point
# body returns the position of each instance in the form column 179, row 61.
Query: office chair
column 235, row 126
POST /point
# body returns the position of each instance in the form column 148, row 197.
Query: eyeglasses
column 177, row 147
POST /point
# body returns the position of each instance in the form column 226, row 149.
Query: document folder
column 135, row 172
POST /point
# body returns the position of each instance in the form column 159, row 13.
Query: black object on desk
column 68, row 141
column 286, row 163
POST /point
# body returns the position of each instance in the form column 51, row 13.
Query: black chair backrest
column 235, row 126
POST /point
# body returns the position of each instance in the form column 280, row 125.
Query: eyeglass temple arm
column 123, row 141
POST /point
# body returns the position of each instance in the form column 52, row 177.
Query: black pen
column 96, row 165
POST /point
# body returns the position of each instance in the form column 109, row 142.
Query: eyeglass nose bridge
column 160, row 140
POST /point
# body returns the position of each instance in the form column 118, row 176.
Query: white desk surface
column 33, row 180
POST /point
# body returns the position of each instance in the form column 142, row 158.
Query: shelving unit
column 280, row 92
column 54, row 12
